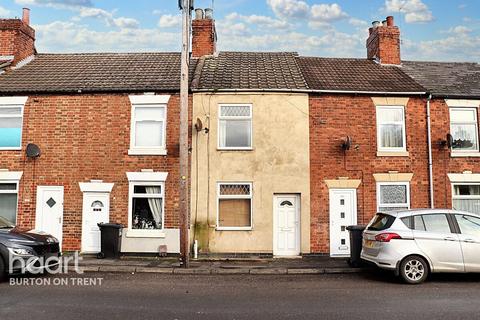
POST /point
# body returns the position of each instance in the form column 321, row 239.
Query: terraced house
column 286, row 150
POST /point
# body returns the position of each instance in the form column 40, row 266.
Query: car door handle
column 450, row 239
column 469, row 240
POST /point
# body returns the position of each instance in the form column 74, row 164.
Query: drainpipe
column 430, row 162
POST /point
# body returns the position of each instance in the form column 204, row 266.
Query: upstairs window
column 464, row 129
column 148, row 125
column 391, row 129
column 11, row 120
column 235, row 127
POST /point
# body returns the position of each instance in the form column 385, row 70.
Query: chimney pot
column 375, row 24
column 26, row 16
column 209, row 14
column 390, row 21
column 384, row 23
column 199, row 14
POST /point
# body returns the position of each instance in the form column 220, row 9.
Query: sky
column 438, row 30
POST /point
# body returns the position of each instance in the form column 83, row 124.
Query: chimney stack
column 383, row 44
column 17, row 39
column 204, row 34
column 26, row 16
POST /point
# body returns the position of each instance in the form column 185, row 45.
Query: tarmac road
column 155, row 296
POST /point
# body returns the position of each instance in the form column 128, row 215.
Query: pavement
column 369, row 295
column 219, row 265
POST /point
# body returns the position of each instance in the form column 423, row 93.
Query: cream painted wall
column 278, row 164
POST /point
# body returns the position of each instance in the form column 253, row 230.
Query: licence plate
column 369, row 243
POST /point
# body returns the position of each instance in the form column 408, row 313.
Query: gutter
column 430, row 160
column 311, row 91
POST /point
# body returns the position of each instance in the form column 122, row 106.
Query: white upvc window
column 391, row 133
column 234, row 206
column 148, row 125
column 11, row 122
column 464, row 129
column 393, row 196
column 9, row 200
column 235, row 127
column 146, row 204
column 466, row 197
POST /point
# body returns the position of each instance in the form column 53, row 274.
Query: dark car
column 25, row 251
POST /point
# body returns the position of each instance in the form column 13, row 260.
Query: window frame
column 392, row 205
column 131, row 194
column 402, row 149
column 16, row 191
column 14, row 102
column 220, row 118
column 148, row 101
column 477, row 150
column 460, row 197
column 250, row 197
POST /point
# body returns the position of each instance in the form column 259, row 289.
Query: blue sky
column 444, row 30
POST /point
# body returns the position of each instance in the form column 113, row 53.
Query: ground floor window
column 466, row 197
column 8, row 201
column 393, row 196
column 147, row 203
column 234, row 206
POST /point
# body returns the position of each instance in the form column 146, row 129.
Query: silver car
column 414, row 243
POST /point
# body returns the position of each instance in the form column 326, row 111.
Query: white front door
column 343, row 213
column 96, row 209
column 49, row 213
column 286, row 225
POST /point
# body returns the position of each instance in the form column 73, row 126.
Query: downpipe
column 430, row 160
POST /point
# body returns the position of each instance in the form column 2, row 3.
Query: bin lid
column 356, row 228
column 110, row 225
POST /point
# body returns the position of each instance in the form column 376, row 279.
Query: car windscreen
column 381, row 222
column 5, row 224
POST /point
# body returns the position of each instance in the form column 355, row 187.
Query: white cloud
column 4, row 13
column 62, row 36
column 289, row 8
column 170, row 21
column 415, row 10
column 258, row 20
column 459, row 30
column 108, row 18
column 327, row 12
column 56, row 3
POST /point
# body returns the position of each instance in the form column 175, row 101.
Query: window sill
column 464, row 154
column 393, row 154
column 147, row 152
column 234, row 228
column 10, row 148
column 132, row 233
column 234, row 149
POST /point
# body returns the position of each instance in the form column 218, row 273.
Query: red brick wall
column 442, row 162
column 203, row 37
column 332, row 118
column 84, row 137
column 17, row 39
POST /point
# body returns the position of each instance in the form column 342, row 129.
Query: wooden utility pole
column 184, row 84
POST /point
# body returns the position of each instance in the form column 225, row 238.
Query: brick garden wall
column 84, row 137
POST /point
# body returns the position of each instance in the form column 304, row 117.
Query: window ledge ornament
column 393, row 176
column 343, row 183
column 147, row 176
column 466, row 176
column 390, row 101
column 6, row 175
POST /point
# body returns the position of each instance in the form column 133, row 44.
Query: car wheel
column 414, row 270
column 3, row 270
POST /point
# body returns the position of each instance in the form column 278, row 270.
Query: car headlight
column 21, row 251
